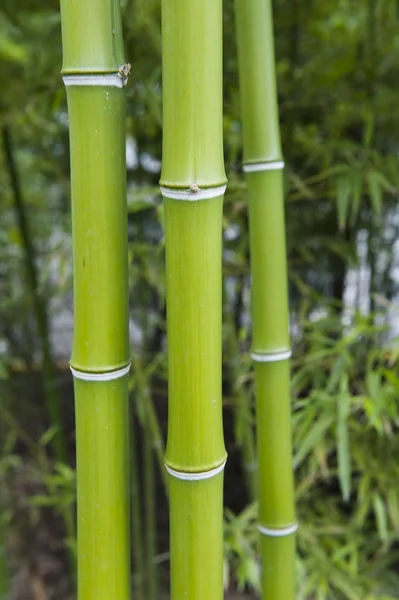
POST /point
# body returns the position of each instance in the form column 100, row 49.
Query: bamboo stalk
column 193, row 183
column 150, row 518
column 138, row 544
column 39, row 302
column 5, row 578
column 271, row 345
column 94, row 74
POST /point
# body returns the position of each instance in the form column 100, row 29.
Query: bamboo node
column 99, row 80
column 199, row 476
column 124, row 72
column 277, row 532
column 107, row 376
column 193, row 193
column 271, row 356
column 275, row 165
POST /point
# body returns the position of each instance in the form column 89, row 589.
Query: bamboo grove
column 192, row 184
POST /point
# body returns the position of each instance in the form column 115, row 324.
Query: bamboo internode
column 271, row 351
column 94, row 74
column 193, row 184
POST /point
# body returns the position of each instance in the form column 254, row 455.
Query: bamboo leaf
column 344, row 461
column 343, row 192
column 375, row 191
column 380, row 516
column 357, row 188
column 314, row 436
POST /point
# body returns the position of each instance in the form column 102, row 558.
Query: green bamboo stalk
column 193, row 183
column 94, row 74
column 271, row 345
column 150, row 518
column 145, row 412
column 5, row 578
column 138, row 545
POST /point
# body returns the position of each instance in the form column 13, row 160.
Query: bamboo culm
column 94, row 74
column 193, row 183
column 263, row 165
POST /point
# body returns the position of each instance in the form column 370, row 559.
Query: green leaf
column 376, row 184
column 344, row 461
column 314, row 436
column 48, row 435
column 381, row 517
column 357, row 188
column 343, row 191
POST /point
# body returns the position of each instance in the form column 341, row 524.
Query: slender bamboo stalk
column 150, row 518
column 4, row 572
column 39, row 302
column 270, row 348
column 94, row 74
column 137, row 533
column 193, row 183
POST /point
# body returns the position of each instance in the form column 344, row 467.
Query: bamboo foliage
column 193, row 183
column 94, row 74
column 263, row 165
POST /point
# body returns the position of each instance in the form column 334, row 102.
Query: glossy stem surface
column 270, row 343
column 92, row 46
column 193, row 162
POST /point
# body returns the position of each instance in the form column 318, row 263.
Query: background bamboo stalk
column 137, row 533
column 94, row 74
column 51, row 396
column 39, row 302
column 270, row 344
column 192, row 182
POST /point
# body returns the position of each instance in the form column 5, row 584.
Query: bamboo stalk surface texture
column 193, row 183
column 271, row 346
column 94, row 74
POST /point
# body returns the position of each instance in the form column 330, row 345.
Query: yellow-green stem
column 270, row 344
column 192, row 183
column 94, row 74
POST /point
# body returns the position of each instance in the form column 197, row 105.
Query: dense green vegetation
column 337, row 84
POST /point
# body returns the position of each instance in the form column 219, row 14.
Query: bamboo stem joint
column 197, row 476
column 278, row 532
column 271, row 356
column 193, row 194
column 105, row 376
column 274, row 165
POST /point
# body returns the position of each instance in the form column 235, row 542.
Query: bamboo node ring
column 185, row 476
column 271, row 532
column 275, row 165
column 271, row 356
column 99, row 80
column 107, row 376
column 193, row 193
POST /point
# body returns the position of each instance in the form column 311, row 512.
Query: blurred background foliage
column 338, row 80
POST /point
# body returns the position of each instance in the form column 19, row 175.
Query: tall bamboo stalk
column 94, row 74
column 193, row 184
column 271, row 345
